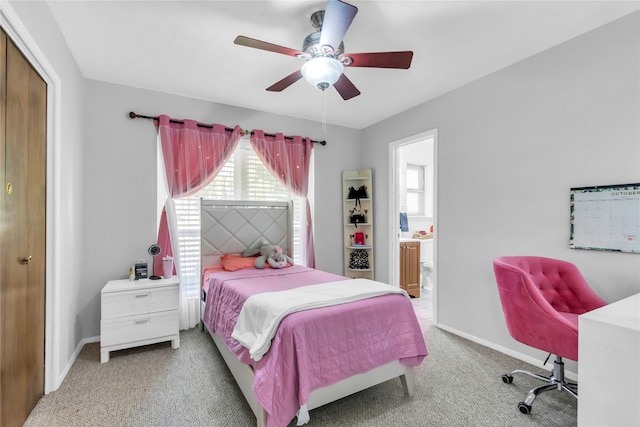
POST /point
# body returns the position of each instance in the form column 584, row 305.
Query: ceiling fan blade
column 381, row 59
column 286, row 82
column 259, row 44
column 345, row 88
column 338, row 16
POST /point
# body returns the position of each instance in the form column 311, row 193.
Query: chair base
column 555, row 381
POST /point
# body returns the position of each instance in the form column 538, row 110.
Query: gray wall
column 120, row 178
column 510, row 147
column 65, row 182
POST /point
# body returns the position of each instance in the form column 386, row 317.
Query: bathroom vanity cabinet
column 410, row 268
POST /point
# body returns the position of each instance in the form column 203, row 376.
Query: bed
column 316, row 356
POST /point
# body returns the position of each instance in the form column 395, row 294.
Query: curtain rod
column 243, row 132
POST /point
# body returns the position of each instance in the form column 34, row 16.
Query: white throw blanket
column 261, row 313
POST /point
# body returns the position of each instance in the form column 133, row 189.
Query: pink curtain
column 288, row 160
column 193, row 155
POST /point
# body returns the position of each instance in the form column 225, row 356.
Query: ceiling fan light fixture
column 322, row 71
column 324, row 62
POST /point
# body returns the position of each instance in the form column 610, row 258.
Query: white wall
column 510, row 146
column 417, row 153
column 120, row 178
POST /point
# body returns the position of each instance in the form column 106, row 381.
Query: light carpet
column 459, row 384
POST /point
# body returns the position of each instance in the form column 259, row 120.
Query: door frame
column 18, row 33
column 394, row 210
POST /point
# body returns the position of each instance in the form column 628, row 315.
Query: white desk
column 609, row 365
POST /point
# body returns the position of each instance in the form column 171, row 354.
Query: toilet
column 426, row 263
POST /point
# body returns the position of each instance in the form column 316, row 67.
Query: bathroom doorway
column 413, row 213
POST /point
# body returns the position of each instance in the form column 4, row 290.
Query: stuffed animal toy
column 270, row 254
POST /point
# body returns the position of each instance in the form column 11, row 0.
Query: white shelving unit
column 356, row 179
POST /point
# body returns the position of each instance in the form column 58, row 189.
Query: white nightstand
column 138, row 313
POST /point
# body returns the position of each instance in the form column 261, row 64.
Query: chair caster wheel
column 524, row 408
column 507, row 379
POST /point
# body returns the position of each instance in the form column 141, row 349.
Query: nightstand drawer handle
column 140, row 322
column 143, row 295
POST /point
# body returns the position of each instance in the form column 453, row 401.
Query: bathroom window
column 415, row 190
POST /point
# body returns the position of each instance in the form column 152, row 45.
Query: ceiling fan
column 323, row 52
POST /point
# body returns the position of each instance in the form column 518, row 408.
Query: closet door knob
column 26, row 260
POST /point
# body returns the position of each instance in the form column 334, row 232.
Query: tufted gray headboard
column 230, row 227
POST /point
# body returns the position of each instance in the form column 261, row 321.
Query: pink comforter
column 313, row 348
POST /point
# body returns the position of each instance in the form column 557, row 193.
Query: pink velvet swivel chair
column 541, row 300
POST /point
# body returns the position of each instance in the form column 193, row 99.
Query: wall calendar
column 606, row 218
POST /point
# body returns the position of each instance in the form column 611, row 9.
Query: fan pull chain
column 324, row 111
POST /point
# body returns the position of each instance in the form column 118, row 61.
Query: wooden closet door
column 22, row 237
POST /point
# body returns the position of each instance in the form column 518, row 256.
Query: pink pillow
column 232, row 262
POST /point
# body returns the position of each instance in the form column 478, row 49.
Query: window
column 243, row 177
column 415, row 190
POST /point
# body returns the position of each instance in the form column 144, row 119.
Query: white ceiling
column 186, row 47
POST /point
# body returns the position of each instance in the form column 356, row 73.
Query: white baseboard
column 520, row 356
column 74, row 356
